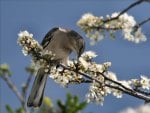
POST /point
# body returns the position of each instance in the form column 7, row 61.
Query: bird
column 61, row 42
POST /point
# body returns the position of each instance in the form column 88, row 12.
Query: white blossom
column 139, row 36
column 117, row 93
column 88, row 55
column 145, row 82
column 96, row 94
column 134, row 36
column 64, row 77
column 107, row 64
column 48, row 54
column 115, row 14
column 25, row 52
column 88, row 19
column 127, row 21
column 111, row 75
column 25, row 33
column 125, row 83
column 84, row 63
column 25, row 39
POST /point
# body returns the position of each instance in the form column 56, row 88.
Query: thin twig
column 25, row 88
column 141, row 23
column 144, row 21
column 125, row 10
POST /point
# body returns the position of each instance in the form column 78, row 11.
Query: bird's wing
column 48, row 37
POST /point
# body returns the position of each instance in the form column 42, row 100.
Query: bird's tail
column 37, row 91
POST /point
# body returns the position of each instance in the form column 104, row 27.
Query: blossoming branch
column 95, row 27
column 102, row 81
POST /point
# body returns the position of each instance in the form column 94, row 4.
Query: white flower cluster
column 25, row 39
column 143, row 83
column 88, row 55
column 140, row 109
column 85, row 64
column 128, row 23
column 89, row 20
column 98, row 91
column 32, row 47
column 64, row 77
column 87, row 23
column 94, row 27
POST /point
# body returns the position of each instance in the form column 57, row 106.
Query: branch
column 122, row 88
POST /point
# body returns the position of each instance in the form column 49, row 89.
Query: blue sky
column 129, row 60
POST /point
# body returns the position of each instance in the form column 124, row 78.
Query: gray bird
column 61, row 42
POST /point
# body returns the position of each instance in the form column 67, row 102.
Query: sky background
column 129, row 60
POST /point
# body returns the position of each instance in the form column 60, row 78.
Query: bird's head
column 77, row 43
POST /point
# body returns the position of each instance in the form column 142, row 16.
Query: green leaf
column 72, row 104
column 76, row 100
column 60, row 104
column 82, row 105
column 47, row 101
column 4, row 69
column 69, row 99
column 20, row 110
column 9, row 109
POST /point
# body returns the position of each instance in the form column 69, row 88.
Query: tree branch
column 119, row 86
